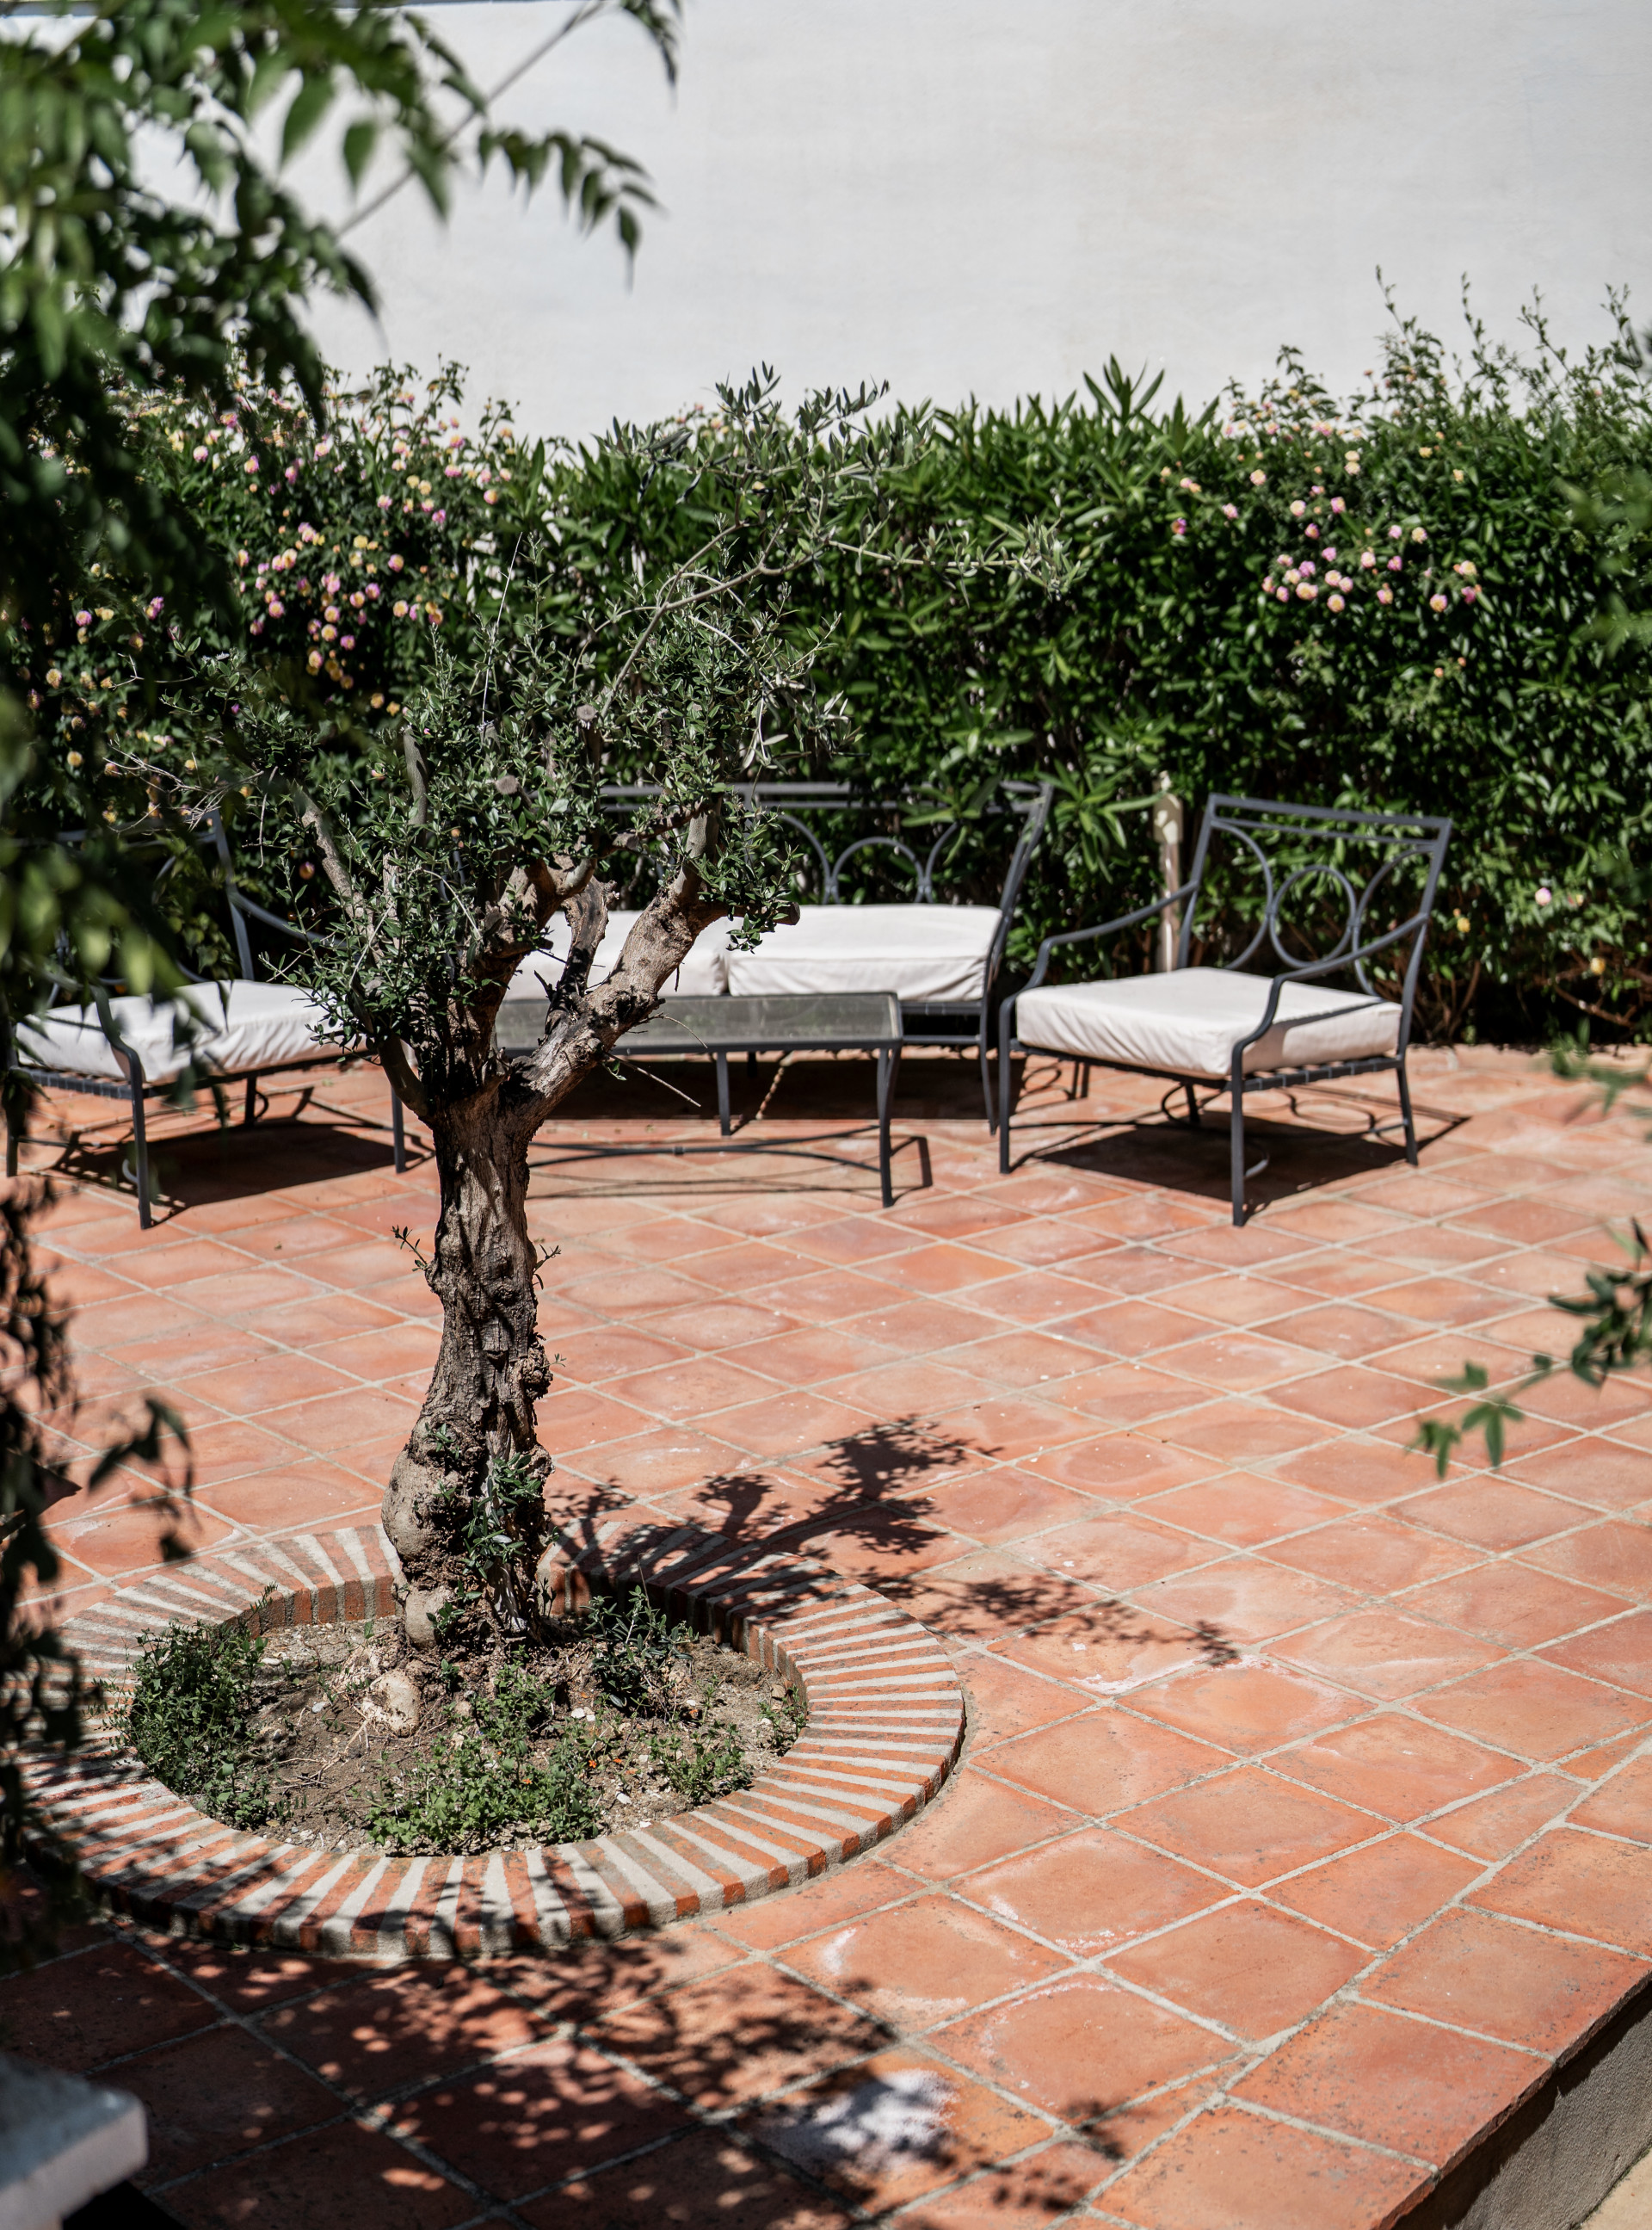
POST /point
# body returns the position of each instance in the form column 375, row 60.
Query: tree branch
column 416, row 777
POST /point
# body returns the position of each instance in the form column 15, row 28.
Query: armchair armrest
column 1041, row 966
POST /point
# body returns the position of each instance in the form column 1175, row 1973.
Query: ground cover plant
column 337, row 1734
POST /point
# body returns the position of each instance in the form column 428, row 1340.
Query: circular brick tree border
column 886, row 1722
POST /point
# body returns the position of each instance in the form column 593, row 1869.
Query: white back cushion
column 266, row 1025
column 1190, row 1019
column 925, row 953
column 703, row 972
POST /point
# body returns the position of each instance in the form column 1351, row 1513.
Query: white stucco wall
column 992, row 195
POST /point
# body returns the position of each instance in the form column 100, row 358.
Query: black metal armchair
column 1244, row 1032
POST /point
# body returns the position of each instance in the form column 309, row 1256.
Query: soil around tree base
column 514, row 1744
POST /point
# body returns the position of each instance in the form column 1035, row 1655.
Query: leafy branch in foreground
column 1615, row 1315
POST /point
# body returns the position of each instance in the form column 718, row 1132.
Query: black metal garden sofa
column 941, row 959
column 240, row 1029
column 1223, row 1026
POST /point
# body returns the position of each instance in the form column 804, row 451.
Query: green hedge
column 1144, row 604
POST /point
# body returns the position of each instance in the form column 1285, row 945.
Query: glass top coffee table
column 813, row 1021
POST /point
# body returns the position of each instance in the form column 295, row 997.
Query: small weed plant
column 190, row 1719
column 702, row 1765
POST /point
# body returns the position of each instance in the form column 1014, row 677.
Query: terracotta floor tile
column 980, row 1595
column 1620, row 1652
column 656, row 1462
column 246, row 1388
column 1493, row 1513
column 371, row 2036
column 339, row 1420
column 916, row 1964
column 1003, row 1505
column 939, row 2124
column 1591, row 1470
column 1254, row 1969
column 1513, row 1604
column 1006, row 1700
column 810, row 1356
column 1240, row 1432
column 589, row 1978
column 1443, row 1300
column 1089, row 1892
column 101, row 2003
column 1375, row 1555
column 1537, row 1710
column 251, row 1982
column 1350, row 1396
column 1246, row 1707
column 1621, row 1805
column 1381, row 1893
column 1385, row 1653
column 557, row 2110
column 1589, row 1885
column 1492, row 1826
column 274, row 1501
column 589, row 1358
column 1027, row 2193
column 1603, row 1758
column 1080, row 2048
column 704, row 2178
column 1395, row 1765
column 1119, row 1466
column 1104, row 1761
column 1244, row 1510
column 115, row 1537
column 1116, row 1550
column 1342, row 1329
column 1238, row 1299
column 1249, row 2173
column 1516, row 1983
column 1249, row 1826
column 1374, row 2075
column 843, row 1894
column 716, row 1322
column 1357, row 1469
column 212, row 2095
column 1121, row 1393
column 1109, row 1648
column 785, row 1423
column 1244, row 1599
column 345, row 2174
column 1615, row 1554
column 973, row 1821
column 738, row 2036
column 1132, row 1328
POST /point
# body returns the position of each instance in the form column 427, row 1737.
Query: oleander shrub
column 1418, row 596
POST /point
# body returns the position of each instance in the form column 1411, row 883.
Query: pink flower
column 440, row 519
column 372, row 589
column 451, row 471
column 1394, row 566
column 347, row 642
column 1298, row 508
column 1545, row 895
column 1284, row 596
column 1258, row 479
column 1393, row 533
column 290, row 474
column 1335, row 604
column 1179, row 527
column 83, row 619
column 1329, row 554
column 396, row 563
column 1469, row 596
column 1418, row 535
column 157, row 604
column 1338, row 506
column 492, row 496
column 200, row 454
column 251, row 465
column 1312, row 532
column 276, row 608
column 257, row 628
column 1436, row 604
column 1229, row 510
column 384, row 503
column 1368, row 559
column 1307, row 591
column 1307, row 568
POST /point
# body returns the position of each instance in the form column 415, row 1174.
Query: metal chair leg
column 139, row 1141
column 250, row 1112
column 986, row 1087
column 887, row 1063
column 724, row 1119
column 1005, row 1093
column 1235, row 1144
column 1192, row 1106
column 1405, row 1112
column 398, row 1137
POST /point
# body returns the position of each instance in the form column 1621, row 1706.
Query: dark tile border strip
column 886, row 1724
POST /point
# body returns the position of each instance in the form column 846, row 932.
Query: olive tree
column 448, row 840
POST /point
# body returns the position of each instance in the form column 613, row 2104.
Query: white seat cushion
column 705, row 972
column 1189, row 1022
column 927, row 954
column 266, row 1024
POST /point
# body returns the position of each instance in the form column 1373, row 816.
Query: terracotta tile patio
column 1302, row 1825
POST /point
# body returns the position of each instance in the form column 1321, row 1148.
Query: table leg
column 722, row 1060
column 888, row 1064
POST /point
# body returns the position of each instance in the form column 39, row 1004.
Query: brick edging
column 886, row 1724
